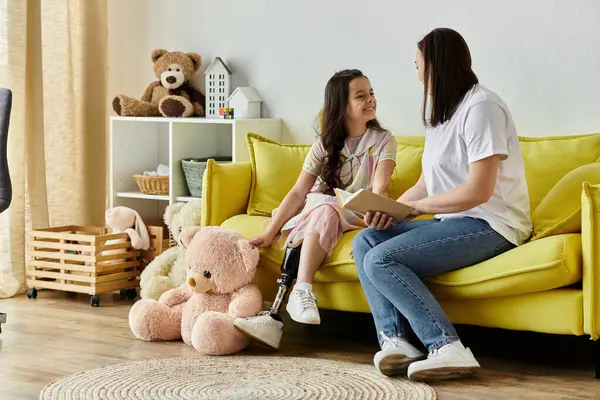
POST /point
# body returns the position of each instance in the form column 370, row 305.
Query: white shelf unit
column 139, row 144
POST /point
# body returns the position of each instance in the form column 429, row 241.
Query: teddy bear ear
column 170, row 212
column 196, row 58
column 250, row 254
column 188, row 234
column 158, row 53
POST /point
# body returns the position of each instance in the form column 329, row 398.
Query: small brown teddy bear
column 172, row 95
column 221, row 265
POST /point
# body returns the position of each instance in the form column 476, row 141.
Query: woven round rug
column 240, row 377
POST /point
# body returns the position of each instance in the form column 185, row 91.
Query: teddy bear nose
column 192, row 282
column 171, row 79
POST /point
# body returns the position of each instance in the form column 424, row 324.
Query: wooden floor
column 60, row 334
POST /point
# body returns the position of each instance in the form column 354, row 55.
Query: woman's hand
column 378, row 220
column 262, row 241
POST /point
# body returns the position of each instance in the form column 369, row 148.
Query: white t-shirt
column 482, row 126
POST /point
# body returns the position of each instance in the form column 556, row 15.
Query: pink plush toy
column 125, row 219
column 220, row 267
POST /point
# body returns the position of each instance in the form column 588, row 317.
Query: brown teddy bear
column 173, row 94
column 220, row 267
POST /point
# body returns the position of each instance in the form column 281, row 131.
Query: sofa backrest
column 546, row 160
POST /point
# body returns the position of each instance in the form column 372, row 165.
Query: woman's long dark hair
column 333, row 127
column 447, row 76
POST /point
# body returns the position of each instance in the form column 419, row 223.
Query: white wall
column 541, row 56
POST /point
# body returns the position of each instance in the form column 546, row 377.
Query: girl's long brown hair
column 333, row 127
column 447, row 76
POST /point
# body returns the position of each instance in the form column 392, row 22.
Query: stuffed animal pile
column 172, row 95
column 167, row 270
column 220, row 267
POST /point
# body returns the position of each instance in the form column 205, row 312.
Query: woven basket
column 152, row 184
column 194, row 168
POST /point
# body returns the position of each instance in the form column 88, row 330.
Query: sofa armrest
column 590, row 240
column 225, row 191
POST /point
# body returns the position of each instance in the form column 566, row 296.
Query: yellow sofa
column 551, row 284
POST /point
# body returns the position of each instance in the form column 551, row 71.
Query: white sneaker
column 449, row 361
column 395, row 356
column 263, row 328
column 302, row 307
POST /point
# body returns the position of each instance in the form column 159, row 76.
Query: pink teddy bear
column 220, row 268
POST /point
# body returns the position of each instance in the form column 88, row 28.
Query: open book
column 364, row 200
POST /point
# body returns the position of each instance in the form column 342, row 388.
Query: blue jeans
column 391, row 264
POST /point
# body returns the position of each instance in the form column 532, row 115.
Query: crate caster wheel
column 95, row 301
column 32, row 293
column 131, row 293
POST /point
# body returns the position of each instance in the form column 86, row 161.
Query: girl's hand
column 262, row 241
column 378, row 220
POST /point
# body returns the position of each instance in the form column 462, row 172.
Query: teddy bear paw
column 175, row 107
column 153, row 321
column 129, row 107
column 214, row 334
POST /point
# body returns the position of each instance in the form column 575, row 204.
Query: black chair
column 5, row 183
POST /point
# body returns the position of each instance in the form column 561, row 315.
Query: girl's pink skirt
column 321, row 214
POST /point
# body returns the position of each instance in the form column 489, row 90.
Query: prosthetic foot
column 267, row 327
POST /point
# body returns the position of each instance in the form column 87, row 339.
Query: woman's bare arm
column 417, row 192
column 477, row 190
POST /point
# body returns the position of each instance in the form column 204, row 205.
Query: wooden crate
column 160, row 240
column 71, row 259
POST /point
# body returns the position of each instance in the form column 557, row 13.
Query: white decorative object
column 246, row 102
column 217, row 86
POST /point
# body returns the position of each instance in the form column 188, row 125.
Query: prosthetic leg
column 289, row 272
column 267, row 326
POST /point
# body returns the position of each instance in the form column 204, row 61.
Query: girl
column 473, row 180
column 353, row 152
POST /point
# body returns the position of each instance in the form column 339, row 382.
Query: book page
column 343, row 196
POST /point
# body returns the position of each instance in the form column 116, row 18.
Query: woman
column 473, row 182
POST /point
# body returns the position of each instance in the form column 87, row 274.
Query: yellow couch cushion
column 408, row 164
column 560, row 211
column 545, row 264
column 275, row 169
column 338, row 267
column 550, row 158
column 273, row 162
column 217, row 184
